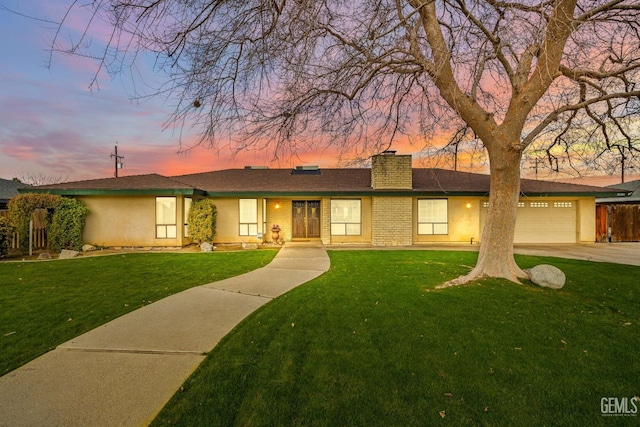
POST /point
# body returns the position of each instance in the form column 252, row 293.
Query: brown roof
column 323, row 181
column 430, row 181
column 280, row 180
column 150, row 182
column 448, row 181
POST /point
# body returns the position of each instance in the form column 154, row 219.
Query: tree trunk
column 496, row 246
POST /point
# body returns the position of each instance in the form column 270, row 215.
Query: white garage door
column 544, row 221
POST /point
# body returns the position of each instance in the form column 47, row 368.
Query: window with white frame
column 248, row 217
column 346, row 217
column 166, row 226
column 187, row 208
column 433, row 217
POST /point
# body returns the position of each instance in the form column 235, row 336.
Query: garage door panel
column 554, row 222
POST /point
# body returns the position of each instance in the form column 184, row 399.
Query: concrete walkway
column 124, row 372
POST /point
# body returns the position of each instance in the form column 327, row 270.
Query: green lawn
column 43, row 304
column 371, row 343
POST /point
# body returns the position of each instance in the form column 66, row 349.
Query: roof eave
column 120, row 192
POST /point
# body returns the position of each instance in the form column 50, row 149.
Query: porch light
column 468, row 205
column 277, row 205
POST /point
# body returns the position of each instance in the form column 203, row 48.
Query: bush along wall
column 67, row 224
column 21, row 209
column 64, row 219
column 202, row 221
column 6, row 236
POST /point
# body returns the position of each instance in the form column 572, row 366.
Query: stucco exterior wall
column 385, row 221
column 587, row 220
column 128, row 221
column 279, row 212
column 365, row 223
column 228, row 221
column 464, row 222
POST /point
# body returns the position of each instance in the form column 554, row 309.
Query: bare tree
column 361, row 74
column 38, row 178
column 463, row 151
column 613, row 149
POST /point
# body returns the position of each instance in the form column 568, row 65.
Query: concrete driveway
column 618, row 253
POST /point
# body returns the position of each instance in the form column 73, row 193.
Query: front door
column 306, row 219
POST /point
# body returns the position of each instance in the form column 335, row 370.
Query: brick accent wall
column 325, row 225
column 391, row 221
column 391, row 172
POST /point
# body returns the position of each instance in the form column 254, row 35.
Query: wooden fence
column 39, row 230
column 625, row 222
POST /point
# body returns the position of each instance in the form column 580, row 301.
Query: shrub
column 21, row 209
column 67, row 224
column 202, row 221
column 6, row 236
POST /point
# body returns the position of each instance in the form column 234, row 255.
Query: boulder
column 44, row 255
column 249, row 246
column 547, row 276
column 67, row 254
column 206, row 247
column 88, row 248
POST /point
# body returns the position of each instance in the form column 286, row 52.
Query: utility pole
column 535, row 167
column 622, row 159
column 118, row 164
column 455, row 158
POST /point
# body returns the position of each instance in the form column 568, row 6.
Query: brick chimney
column 391, row 172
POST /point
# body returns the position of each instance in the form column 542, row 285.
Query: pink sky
column 52, row 124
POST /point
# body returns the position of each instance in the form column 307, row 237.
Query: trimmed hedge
column 67, row 224
column 7, row 231
column 202, row 220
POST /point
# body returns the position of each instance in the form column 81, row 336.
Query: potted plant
column 275, row 232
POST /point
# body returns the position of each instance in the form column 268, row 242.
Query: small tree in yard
column 67, row 225
column 7, row 231
column 363, row 74
column 202, row 221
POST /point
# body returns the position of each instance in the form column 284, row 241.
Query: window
column 539, row 204
column 248, row 217
column 486, row 204
column 166, row 227
column 433, row 216
column 187, row 208
column 562, row 204
column 346, row 217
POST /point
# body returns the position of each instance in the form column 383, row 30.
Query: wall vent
column 306, row 170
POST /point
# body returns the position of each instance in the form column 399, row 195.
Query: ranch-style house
column 389, row 204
